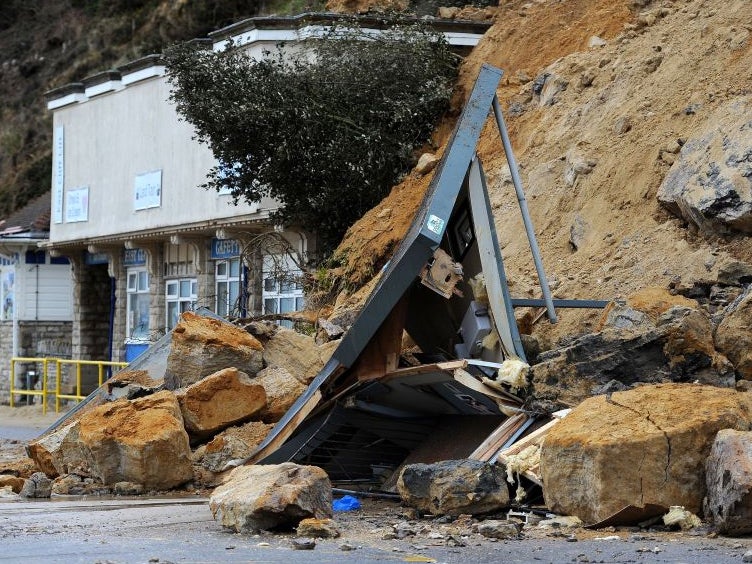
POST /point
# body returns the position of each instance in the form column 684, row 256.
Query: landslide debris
column 596, row 127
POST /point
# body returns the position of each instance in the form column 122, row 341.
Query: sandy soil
column 663, row 71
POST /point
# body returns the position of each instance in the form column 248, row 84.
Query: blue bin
column 133, row 351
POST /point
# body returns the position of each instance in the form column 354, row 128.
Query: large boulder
column 272, row 496
column 60, row 452
column 220, row 400
column 733, row 337
column 710, row 185
column 235, row 443
column 282, row 389
column 643, row 446
column 452, row 487
column 728, row 472
column 141, row 441
column 297, row 353
column 202, row 346
column 663, row 341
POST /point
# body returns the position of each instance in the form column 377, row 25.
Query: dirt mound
column 594, row 150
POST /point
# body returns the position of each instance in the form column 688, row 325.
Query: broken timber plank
column 381, row 354
column 448, row 366
column 500, row 435
column 280, row 437
column 507, row 405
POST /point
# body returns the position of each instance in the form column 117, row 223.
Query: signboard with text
column 148, row 190
column 224, row 249
column 58, row 172
column 134, row 257
column 77, row 205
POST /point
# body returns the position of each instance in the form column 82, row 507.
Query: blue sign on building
column 224, row 249
column 96, row 258
column 134, row 257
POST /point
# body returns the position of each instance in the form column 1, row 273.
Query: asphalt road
column 18, row 433
column 182, row 530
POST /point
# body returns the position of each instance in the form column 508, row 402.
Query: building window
column 283, row 286
column 35, row 257
column 181, row 295
column 138, row 304
column 227, row 277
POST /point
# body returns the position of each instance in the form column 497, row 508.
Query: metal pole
column 551, row 312
column 12, row 379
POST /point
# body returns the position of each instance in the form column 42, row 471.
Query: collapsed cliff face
column 599, row 100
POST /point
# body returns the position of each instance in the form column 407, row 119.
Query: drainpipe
column 36, row 294
column 16, row 270
column 110, row 334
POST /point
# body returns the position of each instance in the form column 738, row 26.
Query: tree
column 326, row 130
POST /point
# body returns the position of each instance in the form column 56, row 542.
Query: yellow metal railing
column 44, row 376
column 45, row 362
column 100, row 364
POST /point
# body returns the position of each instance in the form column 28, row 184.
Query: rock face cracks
column 646, row 445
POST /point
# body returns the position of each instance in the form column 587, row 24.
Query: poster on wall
column 7, row 281
column 77, row 205
column 58, row 171
column 148, row 190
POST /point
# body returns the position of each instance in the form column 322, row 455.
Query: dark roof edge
column 101, row 78
column 328, row 18
column 65, row 90
column 152, row 60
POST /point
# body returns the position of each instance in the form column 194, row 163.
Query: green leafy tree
column 325, row 130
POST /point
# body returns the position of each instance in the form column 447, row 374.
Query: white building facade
column 36, row 309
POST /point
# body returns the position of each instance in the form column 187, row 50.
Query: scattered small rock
column 499, row 529
column 426, row 163
column 622, row 125
column 37, row 486
column 303, row 544
column 318, row 528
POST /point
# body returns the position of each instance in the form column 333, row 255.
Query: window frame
column 185, row 301
column 137, row 286
column 226, row 306
column 275, row 289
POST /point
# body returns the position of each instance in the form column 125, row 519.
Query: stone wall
column 91, row 318
column 35, row 339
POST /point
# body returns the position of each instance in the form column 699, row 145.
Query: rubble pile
column 171, row 437
column 648, row 440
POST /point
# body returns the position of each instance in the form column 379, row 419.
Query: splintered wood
column 488, row 448
column 523, row 457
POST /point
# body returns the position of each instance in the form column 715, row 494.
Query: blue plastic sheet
column 346, row 503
